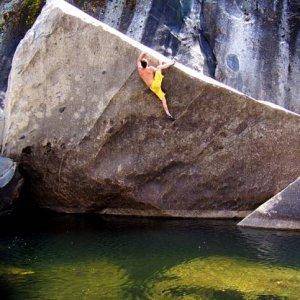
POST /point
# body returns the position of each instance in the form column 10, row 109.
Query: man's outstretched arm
column 166, row 65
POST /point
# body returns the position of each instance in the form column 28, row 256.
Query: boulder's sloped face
column 92, row 138
column 281, row 211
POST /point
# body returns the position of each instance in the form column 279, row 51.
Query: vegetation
column 33, row 8
column 1, row 25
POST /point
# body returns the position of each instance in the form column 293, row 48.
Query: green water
column 89, row 257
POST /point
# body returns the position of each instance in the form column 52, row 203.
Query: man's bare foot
column 171, row 118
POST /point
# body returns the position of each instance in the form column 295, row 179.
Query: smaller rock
column 7, row 171
column 10, row 185
column 280, row 212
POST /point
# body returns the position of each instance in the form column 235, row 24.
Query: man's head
column 144, row 63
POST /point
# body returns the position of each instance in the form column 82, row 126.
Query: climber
column 153, row 77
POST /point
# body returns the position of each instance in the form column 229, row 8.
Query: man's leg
column 165, row 105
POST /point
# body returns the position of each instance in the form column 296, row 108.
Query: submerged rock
column 92, row 138
column 217, row 277
column 97, row 279
column 281, row 211
column 10, row 185
column 11, row 271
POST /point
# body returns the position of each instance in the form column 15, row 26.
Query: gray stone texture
column 91, row 137
column 252, row 46
column 256, row 44
column 280, row 212
column 16, row 17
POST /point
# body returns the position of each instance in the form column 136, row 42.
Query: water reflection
column 91, row 257
column 273, row 245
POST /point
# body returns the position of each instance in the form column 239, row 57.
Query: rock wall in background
column 257, row 44
column 252, row 46
column 91, row 137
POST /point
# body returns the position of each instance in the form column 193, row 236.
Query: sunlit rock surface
column 230, row 278
column 249, row 45
column 282, row 211
column 92, row 138
column 16, row 17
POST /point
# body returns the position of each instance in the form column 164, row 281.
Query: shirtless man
column 153, row 77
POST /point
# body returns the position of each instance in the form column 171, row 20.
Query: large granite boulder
column 10, row 185
column 92, row 138
column 249, row 45
column 281, row 212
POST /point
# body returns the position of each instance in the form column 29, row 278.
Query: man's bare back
column 152, row 76
column 147, row 74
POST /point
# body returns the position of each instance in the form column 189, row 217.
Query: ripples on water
column 90, row 257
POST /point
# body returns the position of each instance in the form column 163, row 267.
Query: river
column 94, row 257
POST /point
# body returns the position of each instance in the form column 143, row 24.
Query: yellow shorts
column 156, row 85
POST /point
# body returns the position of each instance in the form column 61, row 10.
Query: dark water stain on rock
column 232, row 62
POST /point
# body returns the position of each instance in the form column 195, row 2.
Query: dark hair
column 144, row 63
